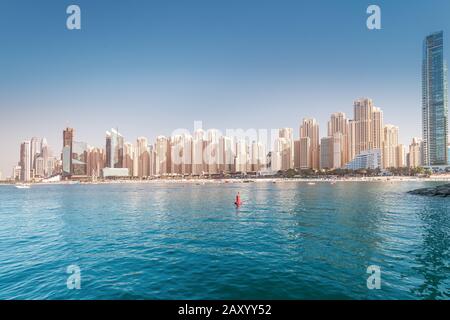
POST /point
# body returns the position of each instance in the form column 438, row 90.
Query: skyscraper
column 310, row 129
column 338, row 127
column 79, row 158
column 331, row 151
column 162, row 148
column 240, row 160
column 45, row 154
column 114, row 149
column 258, row 158
column 67, row 152
column 211, row 151
column 197, row 152
column 181, row 154
column 338, row 123
column 281, row 155
column 226, row 154
column 25, row 161
column 95, row 161
column 434, row 101
column 368, row 122
column 128, row 154
column 39, row 167
column 390, row 147
column 287, row 133
column 141, row 161
column 35, row 152
column 305, row 153
column 415, row 153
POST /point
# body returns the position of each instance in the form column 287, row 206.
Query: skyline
column 363, row 141
column 256, row 83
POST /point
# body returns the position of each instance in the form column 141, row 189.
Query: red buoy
column 238, row 201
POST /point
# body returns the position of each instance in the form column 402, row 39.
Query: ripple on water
column 288, row 241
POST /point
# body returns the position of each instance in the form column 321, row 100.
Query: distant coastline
column 201, row 181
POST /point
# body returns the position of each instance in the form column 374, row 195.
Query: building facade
column 434, row 101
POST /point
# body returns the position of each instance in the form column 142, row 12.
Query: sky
column 149, row 67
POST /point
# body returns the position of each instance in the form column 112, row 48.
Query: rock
column 441, row 191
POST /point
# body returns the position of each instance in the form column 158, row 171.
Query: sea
column 288, row 240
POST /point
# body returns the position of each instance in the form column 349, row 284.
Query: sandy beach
column 387, row 179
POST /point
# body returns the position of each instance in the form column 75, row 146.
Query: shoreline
column 391, row 179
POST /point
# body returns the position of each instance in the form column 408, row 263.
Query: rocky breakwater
column 439, row 191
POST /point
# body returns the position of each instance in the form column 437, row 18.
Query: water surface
column 290, row 240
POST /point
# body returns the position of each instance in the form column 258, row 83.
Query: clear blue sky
column 149, row 67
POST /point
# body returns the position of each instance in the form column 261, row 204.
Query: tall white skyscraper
column 288, row 134
column 415, row 153
column 258, row 156
column 25, row 160
column 141, row 161
column 390, row 144
column 163, row 164
column 240, row 161
column 198, row 145
column 226, row 154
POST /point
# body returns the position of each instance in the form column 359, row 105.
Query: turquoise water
column 179, row 241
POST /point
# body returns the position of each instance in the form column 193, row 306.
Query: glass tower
column 114, row 149
column 67, row 152
column 434, row 101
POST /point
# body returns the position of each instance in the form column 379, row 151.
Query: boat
column 311, row 183
column 22, row 186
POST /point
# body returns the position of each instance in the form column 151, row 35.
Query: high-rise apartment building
column 198, row 145
column 17, row 173
column 211, row 151
column 226, row 154
column 163, row 150
column 338, row 127
column 241, row 158
column 258, row 156
column 128, row 154
column 25, row 161
column 181, row 154
column 390, row 147
column 434, row 101
column 141, row 158
column 368, row 121
column 95, row 161
column 400, row 156
column 281, row 155
column 288, row 133
column 310, row 129
column 36, row 144
column 305, row 153
column 331, row 151
column 415, row 153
